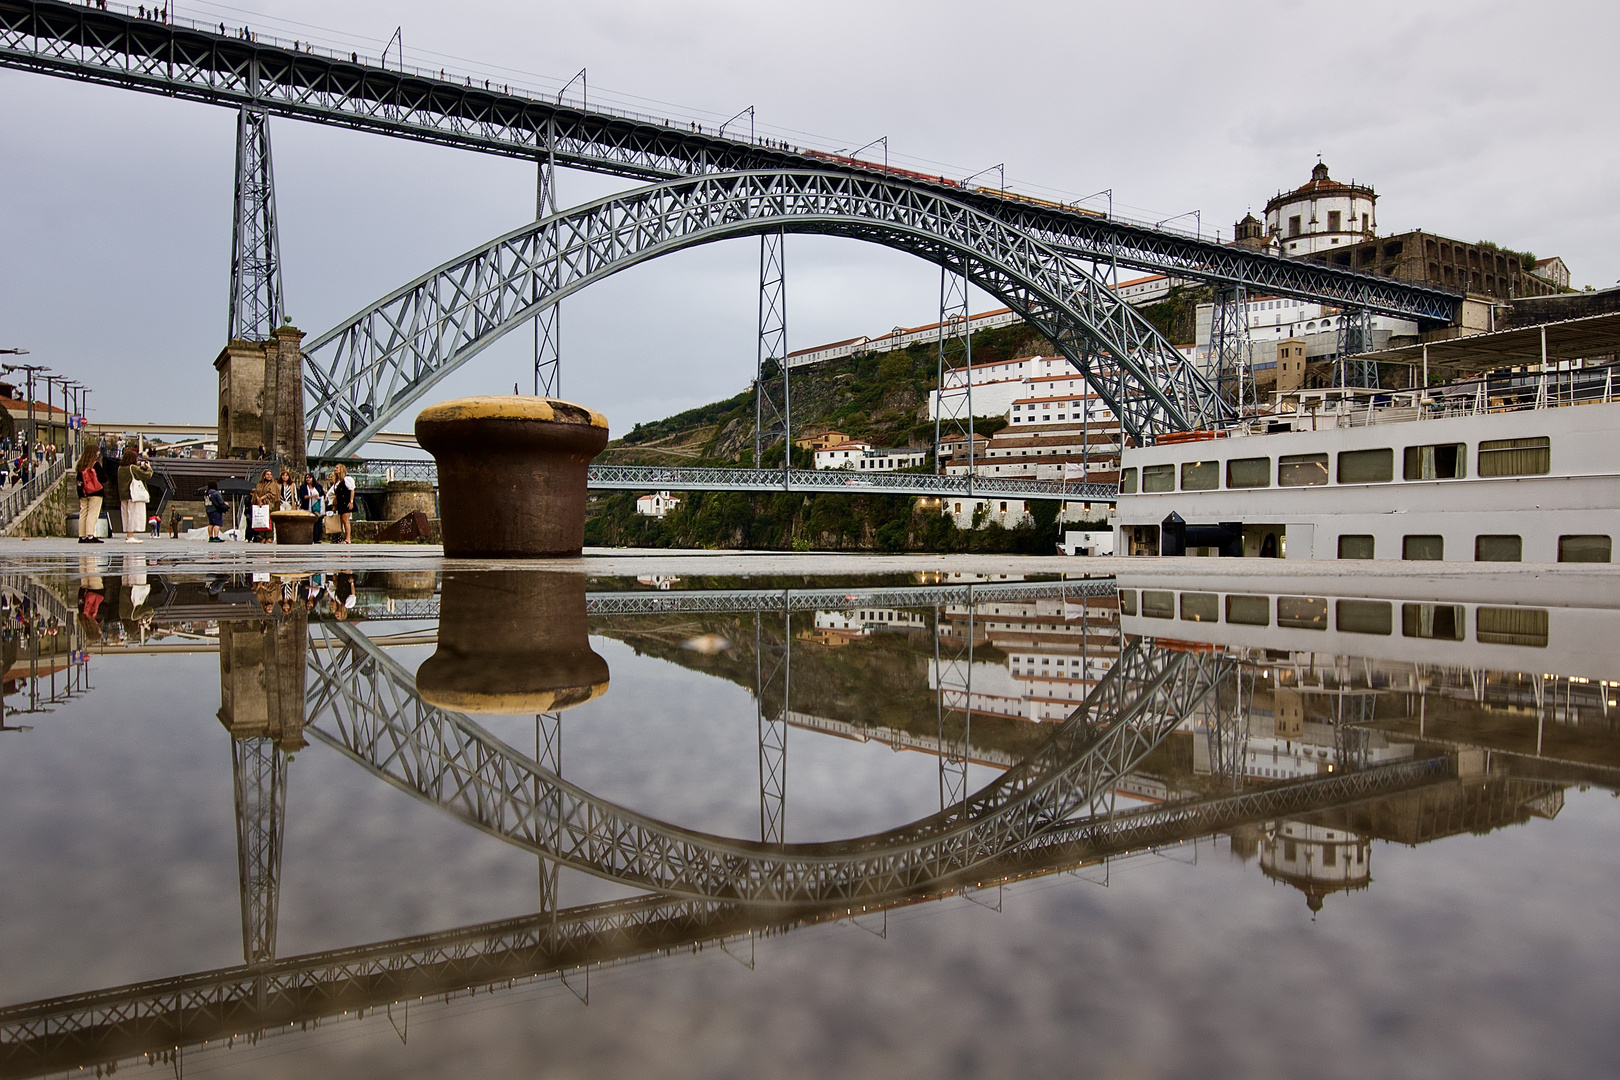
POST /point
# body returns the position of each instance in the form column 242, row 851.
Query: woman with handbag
column 133, row 474
column 310, row 496
column 266, row 495
column 92, row 483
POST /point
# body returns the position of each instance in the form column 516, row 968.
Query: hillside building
column 1321, row 214
column 865, row 457
column 656, row 505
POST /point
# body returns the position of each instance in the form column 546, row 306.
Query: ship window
column 1515, row 457
column 1355, row 547
column 1511, row 626
column 1447, row 461
column 1200, row 475
column 1127, row 601
column 1503, row 548
column 1158, row 478
column 1423, row 548
column 1248, row 610
column 1583, row 549
column 1442, row 622
column 1158, row 604
column 1302, row 612
column 1127, row 482
column 1365, row 616
column 1200, row 607
column 1302, row 470
column 1367, row 466
column 1254, row 472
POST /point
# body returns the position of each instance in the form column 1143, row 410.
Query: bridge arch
column 361, row 702
column 366, row 371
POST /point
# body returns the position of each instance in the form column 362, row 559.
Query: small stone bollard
column 295, row 527
column 512, row 474
column 512, row 642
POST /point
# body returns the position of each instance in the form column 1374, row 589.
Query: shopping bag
column 261, row 517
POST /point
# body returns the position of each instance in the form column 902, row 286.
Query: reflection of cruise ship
column 1356, row 475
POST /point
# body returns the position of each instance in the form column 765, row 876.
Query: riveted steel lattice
column 198, row 63
column 256, row 296
column 1355, row 338
column 1231, row 353
column 953, row 702
column 260, row 774
column 773, row 684
column 366, row 371
column 953, row 397
column 548, row 323
column 773, row 399
column 363, row 704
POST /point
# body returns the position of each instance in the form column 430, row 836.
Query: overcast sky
column 1478, row 121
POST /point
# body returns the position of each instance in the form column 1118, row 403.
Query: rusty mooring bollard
column 512, row 642
column 512, row 474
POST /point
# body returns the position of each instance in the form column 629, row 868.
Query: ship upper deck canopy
column 1571, row 339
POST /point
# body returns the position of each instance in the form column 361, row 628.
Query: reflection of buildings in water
column 1314, row 859
column 661, row 582
column 1055, row 650
column 836, row 628
column 1277, row 738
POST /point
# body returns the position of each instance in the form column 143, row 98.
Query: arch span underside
column 363, row 704
column 371, row 368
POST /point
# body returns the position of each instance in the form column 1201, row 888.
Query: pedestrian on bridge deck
column 133, row 473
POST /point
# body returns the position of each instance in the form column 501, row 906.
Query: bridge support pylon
column 547, row 324
column 773, row 405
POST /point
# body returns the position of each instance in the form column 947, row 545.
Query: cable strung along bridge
column 1052, row 264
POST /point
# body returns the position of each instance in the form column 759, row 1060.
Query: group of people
column 103, row 475
column 316, row 496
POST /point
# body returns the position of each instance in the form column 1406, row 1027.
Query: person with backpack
column 214, row 506
column 92, row 483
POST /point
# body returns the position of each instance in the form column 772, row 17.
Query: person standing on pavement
column 343, row 500
column 267, row 493
column 311, row 498
column 92, row 483
column 214, row 505
column 133, row 473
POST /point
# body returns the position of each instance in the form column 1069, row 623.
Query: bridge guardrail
column 16, row 501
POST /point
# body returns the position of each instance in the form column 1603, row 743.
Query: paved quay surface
column 1584, row 584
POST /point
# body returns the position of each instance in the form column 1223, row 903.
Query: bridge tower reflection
column 261, row 680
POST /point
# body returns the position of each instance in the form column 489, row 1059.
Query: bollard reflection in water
column 512, row 641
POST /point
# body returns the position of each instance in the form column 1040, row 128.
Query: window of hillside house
column 1200, row 475
column 1158, row 478
column 1503, row 547
column 1254, row 472
column 1367, row 466
column 1293, row 225
column 1515, row 457
column 1302, row 470
column 1446, row 461
column 1334, row 217
column 1364, row 616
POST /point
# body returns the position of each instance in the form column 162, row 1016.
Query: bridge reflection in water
column 1092, row 786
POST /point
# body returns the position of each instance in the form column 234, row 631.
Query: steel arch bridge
column 365, row 372
column 363, row 704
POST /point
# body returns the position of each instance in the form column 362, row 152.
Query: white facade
column 1322, row 214
column 865, row 457
column 1277, row 318
column 657, row 504
column 996, row 386
column 898, row 338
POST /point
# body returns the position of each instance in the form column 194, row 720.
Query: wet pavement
column 371, row 812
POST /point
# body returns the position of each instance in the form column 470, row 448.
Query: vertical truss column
column 1224, row 727
column 773, row 412
column 1230, row 351
column 547, row 324
column 1355, row 337
column 256, row 296
column 1351, row 741
column 953, row 398
column 260, row 775
column 953, row 677
column 772, row 678
column 548, row 752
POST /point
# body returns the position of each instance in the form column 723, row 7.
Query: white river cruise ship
column 1529, row 472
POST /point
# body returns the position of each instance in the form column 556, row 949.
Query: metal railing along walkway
column 18, row 500
column 375, row 473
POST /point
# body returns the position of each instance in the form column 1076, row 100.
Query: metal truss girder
column 658, row 477
column 773, row 682
column 953, row 400
column 363, row 704
column 1230, row 349
column 773, row 401
column 364, row 372
column 198, row 64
